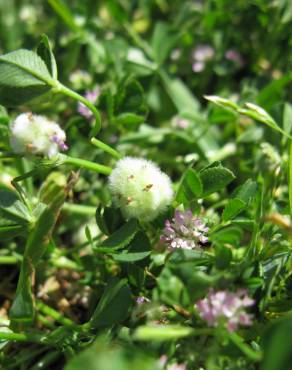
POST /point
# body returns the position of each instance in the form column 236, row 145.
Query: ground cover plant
column 145, row 185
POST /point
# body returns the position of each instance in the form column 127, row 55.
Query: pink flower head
column 141, row 300
column 198, row 67
column 203, row 53
column 181, row 123
column 61, row 144
column 234, row 56
column 184, row 231
column 90, row 96
column 226, row 307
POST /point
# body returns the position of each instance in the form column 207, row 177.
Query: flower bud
column 35, row 134
column 140, row 189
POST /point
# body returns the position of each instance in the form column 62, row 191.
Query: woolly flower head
column 139, row 188
column 225, row 307
column 34, row 134
column 184, row 231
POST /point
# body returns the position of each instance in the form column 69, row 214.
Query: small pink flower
column 227, row 307
column 90, row 96
column 184, row 231
column 203, row 53
column 179, row 122
column 234, row 56
column 140, row 300
column 198, row 67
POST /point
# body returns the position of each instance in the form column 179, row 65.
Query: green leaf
column 277, row 345
column 130, row 97
column 163, row 41
column 179, row 93
column 141, row 64
column 104, row 354
column 22, row 308
column 223, row 257
column 113, row 306
column 129, row 119
column 122, row 237
column 108, row 219
column 10, row 231
column 44, row 50
column 162, row 332
column 287, row 118
column 246, row 191
column 233, row 208
column 272, row 93
column 222, row 102
column 64, row 13
column 259, row 114
column 130, row 257
column 23, row 76
column 11, row 208
column 215, row 179
column 190, row 187
column 231, row 235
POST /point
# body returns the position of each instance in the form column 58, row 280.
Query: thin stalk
column 79, row 209
column 24, row 337
column 82, row 163
column 9, row 260
column 46, row 310
column 106, row 148
column 74, row 95
column 247, row 350
column 252, row 251
column 49, row 324
column 65, row 263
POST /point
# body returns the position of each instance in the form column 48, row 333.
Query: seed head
column 139, row 188
column 33, row 134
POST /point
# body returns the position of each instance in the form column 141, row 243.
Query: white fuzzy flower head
column 140, row 189
column 34, row 134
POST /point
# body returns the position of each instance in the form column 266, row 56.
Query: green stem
column 82, row 163
column 74, row 95
column 247, row 350
column 46, row 322
column 79, row 209
column 63, row 262
column 23, row 337
column 9, row 260
column 54, row 314
column 106, row 148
